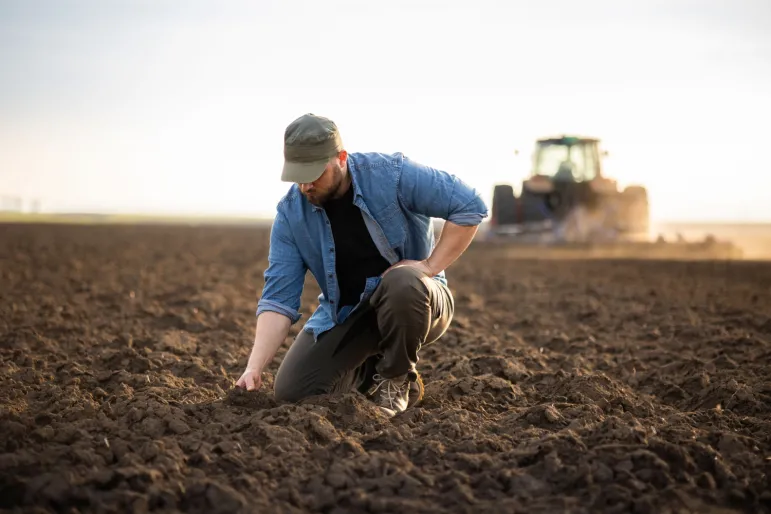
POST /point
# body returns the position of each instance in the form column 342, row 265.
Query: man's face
column 327, row 185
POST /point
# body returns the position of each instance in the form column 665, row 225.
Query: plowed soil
column 563, row 386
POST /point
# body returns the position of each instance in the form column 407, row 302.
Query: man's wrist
column 256, row 363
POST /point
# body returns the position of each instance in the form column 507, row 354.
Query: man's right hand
column 251, row 380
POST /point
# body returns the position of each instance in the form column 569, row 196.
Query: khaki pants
column 406, row 311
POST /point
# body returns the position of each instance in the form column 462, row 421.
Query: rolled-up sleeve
column 439, row 194
column 285, row 274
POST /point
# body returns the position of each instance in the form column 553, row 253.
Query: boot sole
column 421, row 389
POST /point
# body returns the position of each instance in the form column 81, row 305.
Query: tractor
column 567, row 198
column 566, row 204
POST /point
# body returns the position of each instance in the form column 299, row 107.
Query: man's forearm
column 271, row 330
column 453, row 241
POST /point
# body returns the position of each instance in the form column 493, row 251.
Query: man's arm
column 271, row 330
column 439, row 194
column 285, row 275
column 279, row 303
column 453, row 241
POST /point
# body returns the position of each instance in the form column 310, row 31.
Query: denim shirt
column 397, row 197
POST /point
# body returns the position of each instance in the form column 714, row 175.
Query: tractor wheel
column 504, row 208
column 634, row 200
column 636, row 192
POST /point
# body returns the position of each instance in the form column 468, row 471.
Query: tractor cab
column 565, row 159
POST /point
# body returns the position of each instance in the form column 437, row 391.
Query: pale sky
column 180, row 107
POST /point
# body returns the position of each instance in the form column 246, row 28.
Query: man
column 361, row 223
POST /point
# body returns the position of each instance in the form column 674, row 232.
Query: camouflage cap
column 309, row 142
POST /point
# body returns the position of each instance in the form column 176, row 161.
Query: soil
column 562, row 386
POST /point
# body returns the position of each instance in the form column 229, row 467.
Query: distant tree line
column 17, row 204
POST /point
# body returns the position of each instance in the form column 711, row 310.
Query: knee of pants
column 285, row 389
column 403, row 286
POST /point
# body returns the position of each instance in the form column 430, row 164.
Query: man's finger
column 250, row 382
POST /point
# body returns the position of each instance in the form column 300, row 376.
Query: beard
column 319, row 197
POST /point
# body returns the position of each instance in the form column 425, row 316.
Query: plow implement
column 544, row 246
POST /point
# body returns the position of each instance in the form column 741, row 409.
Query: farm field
column 563, row 386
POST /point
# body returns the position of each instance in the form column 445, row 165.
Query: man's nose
column 306, row 186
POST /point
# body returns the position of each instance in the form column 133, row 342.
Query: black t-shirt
column 357, row 257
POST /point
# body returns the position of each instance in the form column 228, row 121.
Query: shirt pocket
column 392, row 222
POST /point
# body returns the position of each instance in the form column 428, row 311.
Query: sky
column 180, row 107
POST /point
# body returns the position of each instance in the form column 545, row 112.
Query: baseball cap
column 309, row 142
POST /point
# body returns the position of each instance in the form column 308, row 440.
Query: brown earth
column 563, row 386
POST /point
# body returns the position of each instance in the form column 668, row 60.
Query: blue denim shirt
column 397, row 197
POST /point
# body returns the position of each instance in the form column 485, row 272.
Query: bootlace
column 391, row 392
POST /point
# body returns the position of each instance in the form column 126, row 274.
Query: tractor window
column 565, row 162
column 591, row 165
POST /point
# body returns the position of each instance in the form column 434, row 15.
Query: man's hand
column 421, row 265
column 452, row 243
column 251, row 380
column 271, row 330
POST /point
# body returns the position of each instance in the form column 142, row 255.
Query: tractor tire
column 504, row 208
column 638, row 193
column 637, row 211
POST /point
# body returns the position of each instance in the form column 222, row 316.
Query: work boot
column 397, row 394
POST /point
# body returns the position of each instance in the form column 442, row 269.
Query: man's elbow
column 265, row 305
column 471, row 214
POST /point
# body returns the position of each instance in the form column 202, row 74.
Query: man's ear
column 343, row 155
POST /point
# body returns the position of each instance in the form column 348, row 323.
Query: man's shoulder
column 363, row 161
column 292, row 194
column 292, row 201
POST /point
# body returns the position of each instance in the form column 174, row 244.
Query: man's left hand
column 421, row 265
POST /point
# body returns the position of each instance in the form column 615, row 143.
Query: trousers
column 383, row 336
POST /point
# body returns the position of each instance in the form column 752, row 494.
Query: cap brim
column 302, row 172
